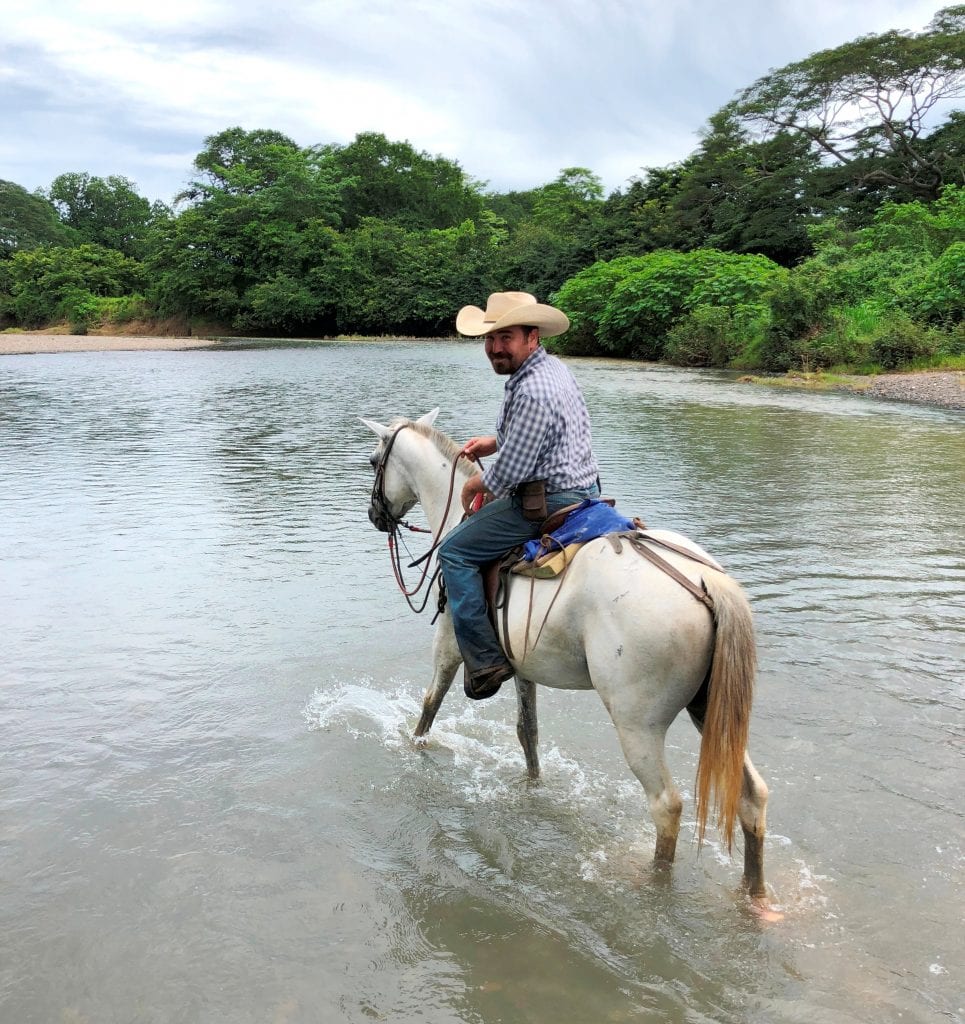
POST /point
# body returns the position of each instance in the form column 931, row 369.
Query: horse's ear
column 429, row 418
column 376, row 428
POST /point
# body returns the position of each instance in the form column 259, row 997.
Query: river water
column 210, row 810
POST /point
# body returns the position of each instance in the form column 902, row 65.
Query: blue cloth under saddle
column 593, row 518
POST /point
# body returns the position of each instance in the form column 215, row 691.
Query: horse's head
column 392, row 491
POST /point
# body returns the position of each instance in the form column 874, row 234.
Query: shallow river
column 210, row 810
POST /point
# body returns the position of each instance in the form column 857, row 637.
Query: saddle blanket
column 550, row 554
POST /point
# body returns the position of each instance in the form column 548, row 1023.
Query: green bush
column 50, row 283
column 644, row 307
column 953, row 341
column 280, row 303
column 584, row 299
column 81, row 310
column 901, row 341
column 122, row 309
column 836, row 346
column 938, row 294
column 872, row 293
column 710, row 336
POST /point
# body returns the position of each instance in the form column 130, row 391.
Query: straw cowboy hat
column 511, row 309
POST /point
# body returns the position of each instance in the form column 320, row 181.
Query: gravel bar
column 942, row 388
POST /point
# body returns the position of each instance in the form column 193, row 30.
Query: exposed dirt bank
column 942, row 388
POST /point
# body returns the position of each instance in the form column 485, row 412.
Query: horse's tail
column 730, row 694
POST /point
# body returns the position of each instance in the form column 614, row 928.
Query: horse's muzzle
column 379, row 520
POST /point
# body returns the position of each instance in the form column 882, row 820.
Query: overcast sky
column 514, row 90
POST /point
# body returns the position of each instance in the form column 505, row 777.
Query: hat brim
column 471, row 320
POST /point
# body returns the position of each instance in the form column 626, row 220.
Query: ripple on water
column 210, row 805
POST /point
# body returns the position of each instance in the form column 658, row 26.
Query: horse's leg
column 445, row 661
column 643, row 747
column 753, row 814
column 526, row 728
column 752, row 811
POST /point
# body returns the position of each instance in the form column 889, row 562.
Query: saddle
column 558, row 557
column 493, row 572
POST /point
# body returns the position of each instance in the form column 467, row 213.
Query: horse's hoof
column 763, row 911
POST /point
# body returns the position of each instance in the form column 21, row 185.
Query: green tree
column 640, row 220
column 570, row 203
column 868, row 105
column 28, row 220
column 535, row 259
column 511, row 208
column 236, row 161
column 392, row 181
column 50, row 282
column 557, row 238
column 393, row 281
column 745, row 197
column 732, row 193
column 105, row 211
column 255, row 224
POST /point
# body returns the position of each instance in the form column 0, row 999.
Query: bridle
column 379, row 504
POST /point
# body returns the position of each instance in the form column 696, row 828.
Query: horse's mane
column 444, row 443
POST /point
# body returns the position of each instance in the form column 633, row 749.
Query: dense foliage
column 697, row 308
column 819, row 222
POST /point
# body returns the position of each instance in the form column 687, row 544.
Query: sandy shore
column 23, row 344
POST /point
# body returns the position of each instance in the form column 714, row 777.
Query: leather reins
column 380, row 503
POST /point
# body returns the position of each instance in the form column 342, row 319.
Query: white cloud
column 513, row 91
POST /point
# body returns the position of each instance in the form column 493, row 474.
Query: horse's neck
column 431, row 475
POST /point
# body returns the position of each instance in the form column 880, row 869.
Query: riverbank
column 29, row 344
column 942, row 388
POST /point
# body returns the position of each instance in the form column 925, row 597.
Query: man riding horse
column 544, row 462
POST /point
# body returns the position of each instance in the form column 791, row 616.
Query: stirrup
column 485, row 682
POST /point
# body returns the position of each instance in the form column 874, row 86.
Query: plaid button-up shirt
column 543, row 430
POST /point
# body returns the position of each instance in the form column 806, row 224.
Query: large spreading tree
column 874, row 107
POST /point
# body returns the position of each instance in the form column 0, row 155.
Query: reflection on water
column 210, row 806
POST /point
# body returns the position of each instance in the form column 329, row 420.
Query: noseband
column 379, row 505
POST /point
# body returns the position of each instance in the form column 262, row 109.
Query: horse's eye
column 374, row 459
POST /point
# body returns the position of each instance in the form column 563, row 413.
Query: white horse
column 619, row 625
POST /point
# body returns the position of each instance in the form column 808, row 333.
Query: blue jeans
column 487, row 535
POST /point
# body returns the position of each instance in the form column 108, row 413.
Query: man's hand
column 473, row 486
column 478, row 447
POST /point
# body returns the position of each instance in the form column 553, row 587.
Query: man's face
column 510, row 347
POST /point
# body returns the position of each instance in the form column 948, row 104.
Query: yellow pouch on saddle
column 549, row 565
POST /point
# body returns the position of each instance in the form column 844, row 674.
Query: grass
column 818, row 380
column 938, row 362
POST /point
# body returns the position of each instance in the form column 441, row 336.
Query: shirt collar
column 531, row 362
